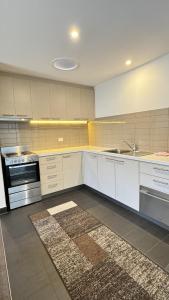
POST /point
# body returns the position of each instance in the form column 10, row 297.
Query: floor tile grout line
column 162, row 241
column 6, row 265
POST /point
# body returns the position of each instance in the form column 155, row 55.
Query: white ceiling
column 34, row 32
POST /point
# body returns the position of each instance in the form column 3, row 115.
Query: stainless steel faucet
column 132, row 146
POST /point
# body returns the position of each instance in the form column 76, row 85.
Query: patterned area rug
column 94, row 262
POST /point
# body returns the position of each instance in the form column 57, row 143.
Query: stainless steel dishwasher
column 154, row 204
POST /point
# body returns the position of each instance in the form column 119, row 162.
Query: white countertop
column 152, row 158
column 68, row 150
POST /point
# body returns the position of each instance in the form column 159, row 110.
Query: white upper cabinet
column 106, row 176
column 127, row 182
column 73, row 102
column 87, row 103
column 7, row 106
column 22, row 97
column 40, row 94
column 57, row 101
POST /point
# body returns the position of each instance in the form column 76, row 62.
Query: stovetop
column 18, row 155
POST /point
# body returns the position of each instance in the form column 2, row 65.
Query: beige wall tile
column 149, row 130
column 42, row 137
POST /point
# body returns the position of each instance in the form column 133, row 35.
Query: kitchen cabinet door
column 40, row 99
column 22, row 97
column 90, row 169
column 7, row 106
column 58, row 101
column 106, row 176
column 73, row 103
column 127, row 182
column 87, row 103
column 72, row 169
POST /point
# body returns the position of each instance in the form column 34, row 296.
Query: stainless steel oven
column 21, row 176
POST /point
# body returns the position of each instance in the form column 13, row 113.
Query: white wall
column 145, row 88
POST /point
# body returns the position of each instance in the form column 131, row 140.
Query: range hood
column 14, row 118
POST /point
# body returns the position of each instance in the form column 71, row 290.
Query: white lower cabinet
column 106, row 176
column 127, row 182
column 72, row 170
column 58, row 172
column 51, row 174
column 90, row 170
column 119, row 179
column 114, row 177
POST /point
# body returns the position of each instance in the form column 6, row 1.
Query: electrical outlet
column 60, row 139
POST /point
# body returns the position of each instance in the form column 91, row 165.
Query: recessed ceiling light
column 65, row 64
column 128, row 62
column 74, row 33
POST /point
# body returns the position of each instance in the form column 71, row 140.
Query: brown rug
column 94, row 262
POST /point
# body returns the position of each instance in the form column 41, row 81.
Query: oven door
column 22, row 174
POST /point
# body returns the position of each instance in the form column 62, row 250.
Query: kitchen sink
column 118, row 151
column 128, row 152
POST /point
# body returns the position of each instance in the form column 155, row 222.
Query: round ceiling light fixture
column 65, row 64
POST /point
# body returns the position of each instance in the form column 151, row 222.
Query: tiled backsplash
column 149, row 130
column 42, row 137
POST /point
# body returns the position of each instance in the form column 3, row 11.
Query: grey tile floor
column 31, row 272
column 4, row 286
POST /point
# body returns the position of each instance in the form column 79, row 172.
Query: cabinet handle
column 52, row 185
column 161, row 182
column 93, row 156
column 52, row 176
column 8, row 115
column 159, row 169
column 110, row 159
column 66, row 156
column 119, row 161
column 51, row 167
column 45, row 118
column 50, row 158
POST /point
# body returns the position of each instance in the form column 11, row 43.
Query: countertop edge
column 152, row 158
